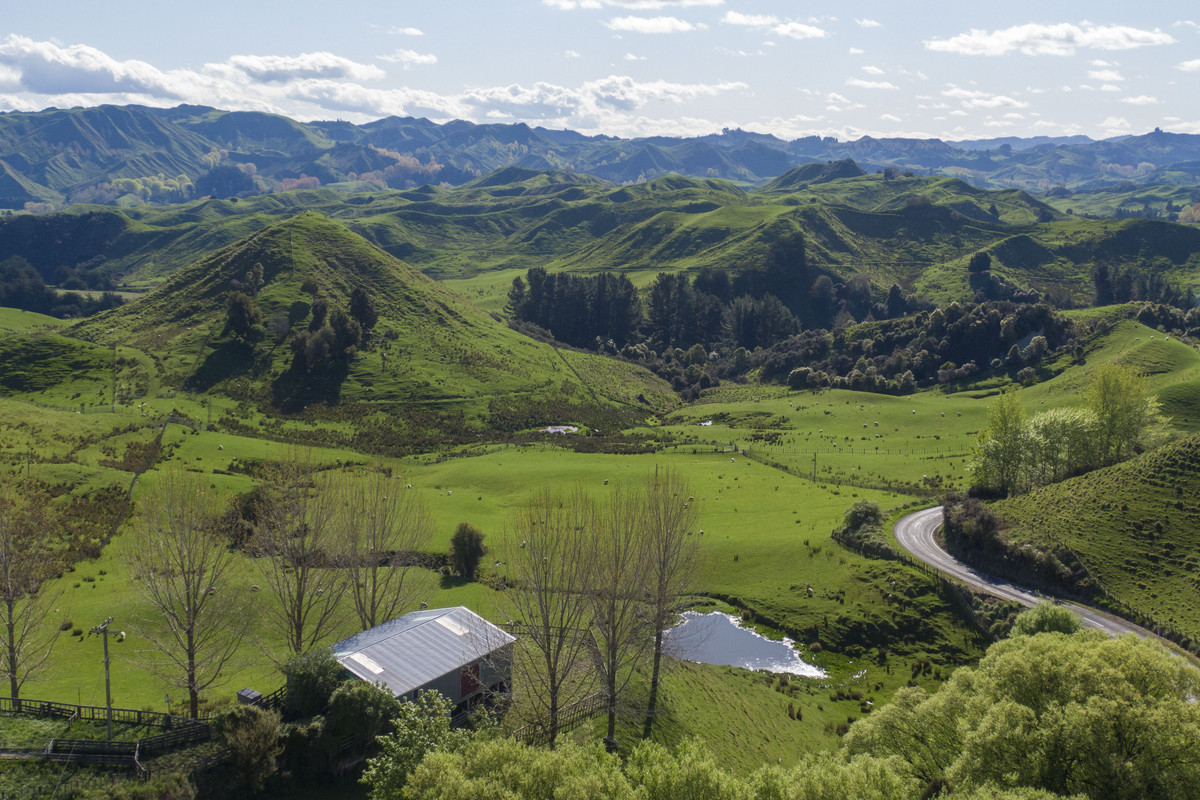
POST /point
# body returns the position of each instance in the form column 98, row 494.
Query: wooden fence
column 48, row 708
column 569, row 718
column 179, row 731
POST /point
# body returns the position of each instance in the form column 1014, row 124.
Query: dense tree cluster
column 1016, row 452
column 578, row 310
column 1074, row 715
column 754, row 305
column 22, row 286
column 329, row 343
column 895, row 356
column 1125, row 286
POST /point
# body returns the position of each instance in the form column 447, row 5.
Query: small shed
column 450, row 650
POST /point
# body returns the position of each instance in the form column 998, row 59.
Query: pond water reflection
column 717, row 638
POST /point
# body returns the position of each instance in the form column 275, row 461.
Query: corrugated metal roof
column 410, row 651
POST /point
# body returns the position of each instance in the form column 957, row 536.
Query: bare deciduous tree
column 674, row 561
column 183, row 567
column 26, row 561
column 550, row 570
column 621, row 626
column 382, row 527
column 295, row 541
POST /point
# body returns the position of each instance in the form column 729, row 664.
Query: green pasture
column 15, row 319
column 765, row 539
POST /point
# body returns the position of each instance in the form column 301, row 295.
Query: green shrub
column 1045, row 618
column 311, row 680
column 467, row 549
column 252, row 736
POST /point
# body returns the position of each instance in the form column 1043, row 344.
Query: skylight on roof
column 367, row 662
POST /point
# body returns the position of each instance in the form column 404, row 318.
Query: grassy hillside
column 1134, row 526
column 433, row 366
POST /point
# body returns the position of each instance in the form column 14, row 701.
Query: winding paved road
column 915, row 533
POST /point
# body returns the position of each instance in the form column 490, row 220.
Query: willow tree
column 184, row 568
column 1001, row 454
column 1125, row 411
column 26, row 561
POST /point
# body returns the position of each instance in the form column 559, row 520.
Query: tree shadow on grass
column 453, row 581
column 297, row 388
column 227, row 359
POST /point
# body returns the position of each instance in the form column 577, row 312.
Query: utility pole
column 102, row 630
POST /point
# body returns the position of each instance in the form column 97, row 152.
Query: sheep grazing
column 120, row 636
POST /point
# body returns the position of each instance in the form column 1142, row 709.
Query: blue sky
column 631, row 67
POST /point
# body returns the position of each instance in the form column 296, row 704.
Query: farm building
column 451, row 650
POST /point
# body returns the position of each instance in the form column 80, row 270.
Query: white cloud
column 614, row 93
column 798, row 30
column 1105, row 75
column 1186, row 23
column 571, row 54
column 1115, row 122
column 1060, row 39
column 1110, row 87
column 655, row 5
column 889, row 118
column 632, row 57
column 861, row 84
column 305, row 65
column 1140, row 100
column 868, row 23
column 47, row 68
column 1014, row 115
column 1099, row 62
column 650, row 24
column 409, row 57
column 973, row 98
column 1191, row 66
column 854, row 51
column 749, row 20
column 997, row 123
column 873, row 70
column 35, row 75
column 407, row 31
column 10, row 79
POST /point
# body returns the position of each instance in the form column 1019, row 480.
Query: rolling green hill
column 918, row 232
column 1135, row 527
column 433, row 366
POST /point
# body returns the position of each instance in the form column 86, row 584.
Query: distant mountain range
column 129, row 155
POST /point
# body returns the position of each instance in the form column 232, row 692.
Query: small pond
column 717, row 638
